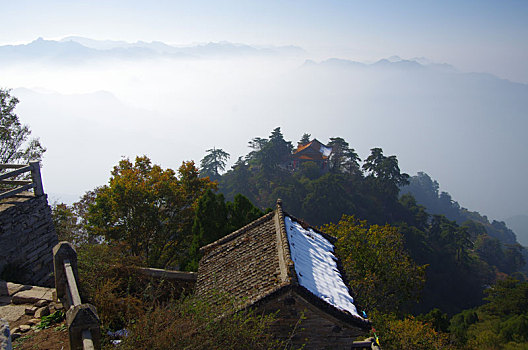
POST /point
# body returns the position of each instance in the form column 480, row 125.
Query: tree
column 343, row 159
column 382, row 275
column 450, row 239
column 305, row 139
column 214, row 218
column 385, row 173
column 213, row 163
column 275, row 150
column 70, row 221
column 15, row 144
column 148, row 208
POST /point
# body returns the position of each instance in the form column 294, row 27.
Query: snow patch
column 316, row 266
column 325, row 150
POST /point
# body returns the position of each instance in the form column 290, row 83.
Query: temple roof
column 313, row 150
column 273, row 254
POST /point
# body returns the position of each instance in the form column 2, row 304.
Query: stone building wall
column 27, row 237
column 306, row 326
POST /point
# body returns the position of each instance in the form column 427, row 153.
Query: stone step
column 33, row 295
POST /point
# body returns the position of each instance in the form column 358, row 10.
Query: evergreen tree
column 241, row 212
column 213, row 163
column 385, row 173
column 214, row 218
column 305, row 139
column 343, row 159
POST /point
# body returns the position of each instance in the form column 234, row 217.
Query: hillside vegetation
column 432, row 275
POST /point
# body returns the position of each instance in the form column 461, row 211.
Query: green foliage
column 71, row 221
column 502, row 323
column 241, row 212
column 506, row 297
column 148, row 208
column 381, row 274
column 426, row 191
column 310, row 170
column 47, row 321
column 305, row 139
column 213, row 163
column 437, row 319
column 384, row 173
column 15, row 144
column 343, row 159
column 409, row 333
column 269, row 153
column 214, row 218
column 460, row 323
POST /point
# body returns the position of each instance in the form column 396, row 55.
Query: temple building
column 280, row 264
column 313, row 151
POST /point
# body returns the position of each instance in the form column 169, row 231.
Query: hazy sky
column 465, row 130
column 488, row 36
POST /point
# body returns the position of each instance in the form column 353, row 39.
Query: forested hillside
column 462, row 251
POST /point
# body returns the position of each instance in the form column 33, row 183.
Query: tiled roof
column 310, row 151
column 314, row 143
column 254, row 263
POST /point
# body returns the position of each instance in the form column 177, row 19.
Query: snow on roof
column 316, row 266
column 325, row 150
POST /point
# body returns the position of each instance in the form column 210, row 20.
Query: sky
column 483, row 36
column 466, row 131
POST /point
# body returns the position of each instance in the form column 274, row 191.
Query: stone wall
column 306, row 326
column 27, row 237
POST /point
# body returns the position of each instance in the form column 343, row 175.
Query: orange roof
column 305, row 146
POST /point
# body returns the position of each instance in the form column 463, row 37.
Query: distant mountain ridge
column 81, row 49
column 393, row 62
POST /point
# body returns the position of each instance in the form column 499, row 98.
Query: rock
column 42, row 303
column 31, row 310
column 5, row 335
column 43, row 311
column 33, row 321
column 9, row 289
column 24, row 328
column 32, row 295
column 55, row 306
column 15, row 336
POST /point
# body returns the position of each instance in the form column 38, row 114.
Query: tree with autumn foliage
column 381, row 274
column 148, row 208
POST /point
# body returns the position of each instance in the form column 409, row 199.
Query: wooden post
column 61, row 252
column 37, row 179
column 83, row 326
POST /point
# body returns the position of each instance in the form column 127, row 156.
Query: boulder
column 41, row 312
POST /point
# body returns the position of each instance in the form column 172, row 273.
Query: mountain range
column 79, row 49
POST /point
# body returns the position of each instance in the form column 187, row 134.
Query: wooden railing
column 35, row 183
column 81, row 319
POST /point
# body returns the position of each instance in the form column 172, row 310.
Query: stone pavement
column 22, row 306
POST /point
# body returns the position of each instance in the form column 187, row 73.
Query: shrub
column 409, row 334
column 192, row 323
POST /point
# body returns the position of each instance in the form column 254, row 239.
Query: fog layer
column 465, row 130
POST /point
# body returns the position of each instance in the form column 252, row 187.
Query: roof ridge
column 332, row 239
column 205, row 249
column 287, row 267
